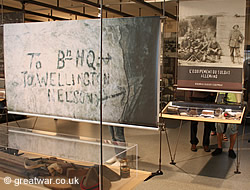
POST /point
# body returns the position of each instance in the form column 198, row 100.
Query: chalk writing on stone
column 81, row 57
column 82, row 97
column 38, row 63
column 53, row 79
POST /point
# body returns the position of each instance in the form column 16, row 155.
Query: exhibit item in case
column 53, row 69
column 204, row 112
column 211, row 44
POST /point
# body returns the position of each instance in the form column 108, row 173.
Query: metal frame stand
column 159, row 171
column 177, row 142
column 237, row 146
column 162, row 127
column 238, row 160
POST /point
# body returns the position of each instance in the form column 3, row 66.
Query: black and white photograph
column 213, row 37
column 211, row 44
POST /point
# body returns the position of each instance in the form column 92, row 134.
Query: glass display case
column 200, row 111
column 84, row 152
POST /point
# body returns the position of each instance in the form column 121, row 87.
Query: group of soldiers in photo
column 202, row 46
column 199, row 46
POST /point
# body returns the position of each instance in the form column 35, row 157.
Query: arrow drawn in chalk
column 122, row 92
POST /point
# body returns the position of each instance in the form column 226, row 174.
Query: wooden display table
column 187, row 105
column 218, row 113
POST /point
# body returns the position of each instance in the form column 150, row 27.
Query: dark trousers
column 206, row 134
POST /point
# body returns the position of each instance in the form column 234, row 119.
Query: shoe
column 217, row 152
column 193, row 148
column 206, row 149
column 231, row 154
column 225, row 137
column 213, row 133
column 111, row 160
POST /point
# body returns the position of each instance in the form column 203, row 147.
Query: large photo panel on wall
column 211, row 44
column 53, row 69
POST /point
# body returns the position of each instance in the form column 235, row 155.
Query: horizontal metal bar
column 32, row 13
column 32, row 20
column 208, row 90
column 104, row 7
column 57, row 8
column 155, row 8
column 87, row 121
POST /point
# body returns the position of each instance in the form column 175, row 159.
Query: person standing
column 118, row 139
column 235, row 40
column 208, row 126
column 206, row 135
column 231, row 130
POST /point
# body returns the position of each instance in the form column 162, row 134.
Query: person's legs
column 232, row 54
column 213, row 129
column 232, row 141
column 120, row 141
column 219, row 139
column 231, row 152
column 194, row 140
column 207, row 130
column 232, row 131
column 119, row 134
column 118, row 138
column 206, row 136
column 219, row 53
column 219, row 130
column 237, row 52
column 112, row 133
column 224, row 132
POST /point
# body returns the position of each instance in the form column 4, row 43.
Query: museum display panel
column 63, row 68
column 211, row 44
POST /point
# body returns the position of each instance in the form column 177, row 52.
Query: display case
column 204, row 112
column 80, row 151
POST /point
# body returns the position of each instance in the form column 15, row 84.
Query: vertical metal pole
column 161, row 90
column 176, row 62
column 137, row 153
column 2, row 12
column 163, row 8
column 238, row 154
column 160, row 149
column 51, row 13
column 101, row 156
column 23, row 9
